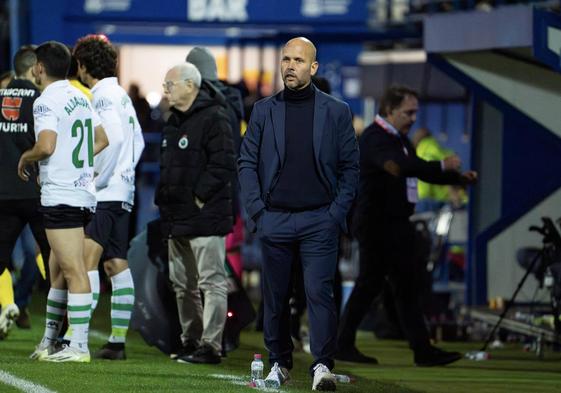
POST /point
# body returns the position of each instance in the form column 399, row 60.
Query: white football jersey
column 115, row 165
column 66, row 176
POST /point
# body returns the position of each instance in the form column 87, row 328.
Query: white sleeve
column 107, row 160
column 44, row 116
column 108, row 117
column 95, row 119
column 138, row 142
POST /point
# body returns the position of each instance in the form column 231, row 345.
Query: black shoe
column 352, row 354
column 187, row 349
column 204, row 355
column 60, row 344
column 23, row 321
column 231, row 344
column 112, row 351
column 435, row 357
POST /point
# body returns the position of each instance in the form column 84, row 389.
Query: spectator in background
column 253, row 93
column 431, row 196
column 389, row 169
column 141, row 107
column 6, row 78
column 205, row 63
column 194, row 197
column 29, row 265
column 321, row 83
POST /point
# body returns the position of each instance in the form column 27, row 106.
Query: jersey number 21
column 78, row 132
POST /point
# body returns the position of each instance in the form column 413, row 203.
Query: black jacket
column 234, row 109
column 235, row 112
column 197, row 160
column 16, row 136
column 383, row 196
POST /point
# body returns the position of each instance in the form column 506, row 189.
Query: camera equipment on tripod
column 544, row 262
column 550, row 253
column 549, row 232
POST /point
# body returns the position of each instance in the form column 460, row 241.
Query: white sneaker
column 277, row 377
column 324, row 380
column 42, row 350
column 69, row 354
column 8, row 316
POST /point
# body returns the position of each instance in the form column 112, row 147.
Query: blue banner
column 222, row 11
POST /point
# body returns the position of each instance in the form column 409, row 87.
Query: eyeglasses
column 167, row 85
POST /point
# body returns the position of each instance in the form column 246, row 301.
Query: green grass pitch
column 148, row 370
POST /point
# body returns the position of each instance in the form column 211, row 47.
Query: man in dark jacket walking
column 194, row 197
column 389, row 168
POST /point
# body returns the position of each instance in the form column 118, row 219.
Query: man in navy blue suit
column 298, row 170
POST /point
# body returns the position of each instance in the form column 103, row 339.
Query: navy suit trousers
column 314, row 235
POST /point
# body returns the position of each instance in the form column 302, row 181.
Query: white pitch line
column 237, row 380
column 22, row 384
column 227, row 377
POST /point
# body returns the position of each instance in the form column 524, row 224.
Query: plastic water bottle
column 257, row 369
column 342, row 378
column 477, row 355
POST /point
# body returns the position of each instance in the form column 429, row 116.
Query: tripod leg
column 539, row 347
column 511, row 302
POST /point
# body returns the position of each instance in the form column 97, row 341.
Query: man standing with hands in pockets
column 298, row 170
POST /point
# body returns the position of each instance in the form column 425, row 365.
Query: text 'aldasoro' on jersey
column 67, row 176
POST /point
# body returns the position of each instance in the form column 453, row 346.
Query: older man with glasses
column 194, row 197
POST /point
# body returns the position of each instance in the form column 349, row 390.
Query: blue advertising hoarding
column 206, row 21
column 223, row 11
column 211, row 22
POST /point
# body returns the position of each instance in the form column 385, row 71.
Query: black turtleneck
column 299, row 186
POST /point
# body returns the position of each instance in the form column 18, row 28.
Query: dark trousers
column 29, row 271
column 387, row 251
column 313, row 235
column 14, row 215
column 298, row 298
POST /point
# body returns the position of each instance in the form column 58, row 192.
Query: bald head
column 309, row 46
column 298, row 63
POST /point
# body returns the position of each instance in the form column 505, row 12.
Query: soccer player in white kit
column 68, row 135
column 107, row 233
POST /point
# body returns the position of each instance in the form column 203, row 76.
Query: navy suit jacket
column 336, row 155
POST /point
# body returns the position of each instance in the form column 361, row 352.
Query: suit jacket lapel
column 277, row 115
column 320, row 113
